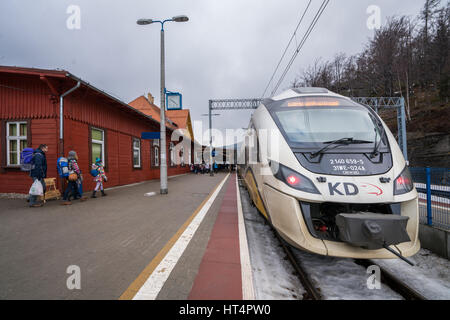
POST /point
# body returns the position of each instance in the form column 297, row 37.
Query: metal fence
column 433, row 186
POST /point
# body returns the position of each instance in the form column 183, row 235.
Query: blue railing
column 433, row 186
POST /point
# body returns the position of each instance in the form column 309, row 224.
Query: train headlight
column 404, row 183
column 293, row 179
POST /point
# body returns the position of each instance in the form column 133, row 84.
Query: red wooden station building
column 95, row 124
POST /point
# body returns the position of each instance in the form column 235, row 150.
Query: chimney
column 150, row 98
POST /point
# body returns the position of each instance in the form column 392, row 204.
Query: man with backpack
column 39, row 171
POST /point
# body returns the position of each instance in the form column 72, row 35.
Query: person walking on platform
column 39, row 172
column 72, row 189
column 99, row 176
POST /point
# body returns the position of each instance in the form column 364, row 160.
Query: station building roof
column 175, row 119
column 59, row 81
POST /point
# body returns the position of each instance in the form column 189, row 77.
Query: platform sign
column 150, row 135
column 174, row 101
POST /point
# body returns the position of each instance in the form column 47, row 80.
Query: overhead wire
column 302, row 42
column 287, row 47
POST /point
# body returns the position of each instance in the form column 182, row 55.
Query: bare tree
column 402, row 55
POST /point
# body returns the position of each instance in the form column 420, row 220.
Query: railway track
column 314, row 292
column 393, row 282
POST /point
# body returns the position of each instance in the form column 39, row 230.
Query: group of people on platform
column 74, row 177
column 206, row 168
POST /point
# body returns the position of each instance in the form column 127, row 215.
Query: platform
column 185, row 245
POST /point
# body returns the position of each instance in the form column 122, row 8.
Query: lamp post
column 163, row 166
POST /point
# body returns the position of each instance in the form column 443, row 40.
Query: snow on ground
column 273, row 275
column 342, row 279
column 430, row 276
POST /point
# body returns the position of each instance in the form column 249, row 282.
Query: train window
column 320, row 125
column 255, row 144
column 246, row 155
column 258, row 157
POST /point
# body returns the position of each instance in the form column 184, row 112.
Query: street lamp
column 163, row 166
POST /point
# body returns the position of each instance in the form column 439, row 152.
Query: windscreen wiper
column 377, row 145
column 337, row 143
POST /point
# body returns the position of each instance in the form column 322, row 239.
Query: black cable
column 304, row 39
column 285, row 50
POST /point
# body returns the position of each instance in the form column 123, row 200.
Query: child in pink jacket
column 99, row 178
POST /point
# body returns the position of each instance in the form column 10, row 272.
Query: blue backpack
column 94, row 172
column 62, row 165
column 26, row 159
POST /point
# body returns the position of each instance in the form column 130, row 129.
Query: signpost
column 151, row 135
column 174, row 100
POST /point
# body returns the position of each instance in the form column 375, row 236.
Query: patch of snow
column 430, row 276
column 273, row 276
column 342, row 279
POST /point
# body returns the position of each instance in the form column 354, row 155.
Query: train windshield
column 312, row 126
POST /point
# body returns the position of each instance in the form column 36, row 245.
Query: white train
column 335, row 181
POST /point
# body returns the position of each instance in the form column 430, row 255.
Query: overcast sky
column 228, row 49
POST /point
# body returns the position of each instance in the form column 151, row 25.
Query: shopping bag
column 36, row 188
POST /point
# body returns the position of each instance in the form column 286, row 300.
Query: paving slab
column 111, row 239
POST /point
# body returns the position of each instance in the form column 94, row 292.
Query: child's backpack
column 62, row 165
column 26, row 159
column 94, row 172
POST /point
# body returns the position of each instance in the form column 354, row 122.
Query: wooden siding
column 27, row 97
column 86, row 107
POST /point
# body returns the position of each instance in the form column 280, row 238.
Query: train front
column 340, row 186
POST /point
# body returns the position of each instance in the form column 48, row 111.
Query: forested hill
column 428, row 130
column 409, row 57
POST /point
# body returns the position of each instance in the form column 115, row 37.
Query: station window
column 98, row 145
column 156, row 156
column 16, row 141
column 172, row 154
column 155, row 153
column 182, row 157
column 136, row 153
